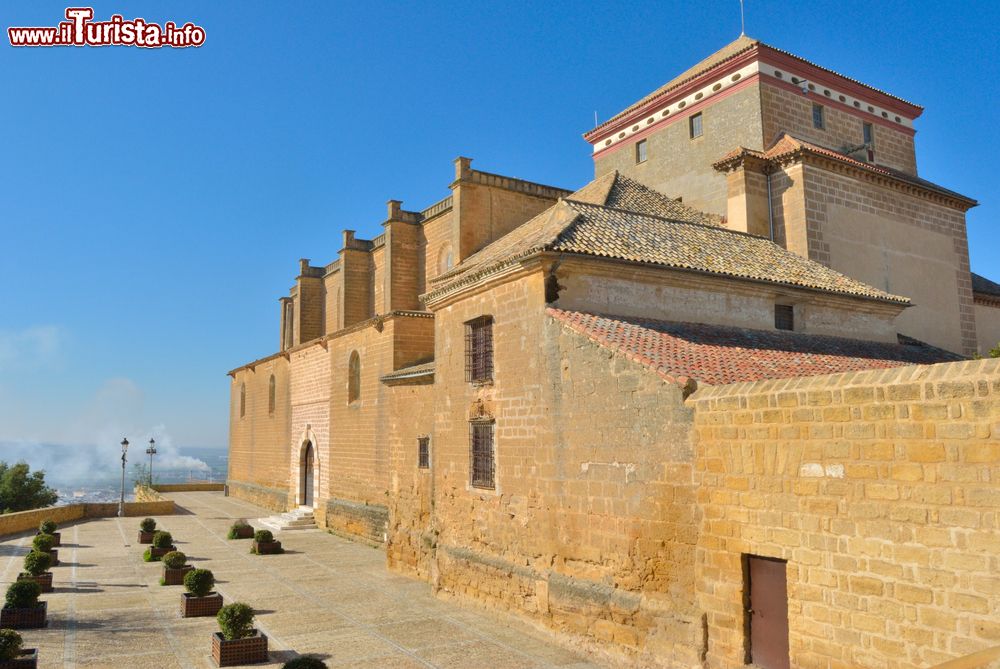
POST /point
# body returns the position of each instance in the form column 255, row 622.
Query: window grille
column 784, row 317
column 479, row 350
column 424, row 452
column 640, row 151
column 818, row 117
column 481, row 454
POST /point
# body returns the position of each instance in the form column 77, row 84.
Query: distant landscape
column 88, row 474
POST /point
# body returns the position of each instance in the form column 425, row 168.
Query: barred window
column 481, row 454
column 424, row 452
column 354, row 378
column 479, row 350
column 243, row 400
column 270, row 395
column 695, row 127
column 784, row 317
column 640, row 151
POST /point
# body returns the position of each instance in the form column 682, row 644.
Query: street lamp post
column 121, row 504
column 151, row 451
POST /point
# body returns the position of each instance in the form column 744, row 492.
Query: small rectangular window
column 818, row 117
column 695, row 126
column 479, row 350
column 868, row 132
column 481, row 455
column 784, row 317
column 640, row 151
column 424, row 452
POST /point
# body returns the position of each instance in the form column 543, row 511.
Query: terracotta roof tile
column 616, row 190
column 719, row 355
column 583, row 228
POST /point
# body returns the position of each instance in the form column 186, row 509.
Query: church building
column 736, row 363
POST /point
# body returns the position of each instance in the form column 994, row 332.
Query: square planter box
column 245, row 532
column 27, row 660
column 23, row 619
column 57, row 536
column 55, row 557
column 195, row 607
column 175, row 576
column 146, row 537
column 45, row 580
column 250, row 650
column 270, row 548
column 160, row 552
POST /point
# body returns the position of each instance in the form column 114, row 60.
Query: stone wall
column 878, row 488
column 681, row 166
column 275, row 499
column 258, row 440
column 583, row 441
column 28, row 521
column 789, row 111
column 987, row 325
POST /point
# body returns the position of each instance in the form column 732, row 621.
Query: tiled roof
column 740, row 45
column 621, row 192
column 717, row 355
column 980, row 284
column 578, row 227
column 788, row 145
column 411, row 372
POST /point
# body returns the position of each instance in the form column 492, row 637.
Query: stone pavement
column 325, row 596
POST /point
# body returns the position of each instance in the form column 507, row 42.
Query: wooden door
column 768, row 612
column 307, row 476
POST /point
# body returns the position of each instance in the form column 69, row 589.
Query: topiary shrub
column 162, row 540
column 22, row 595
column 10, row 645
column 199, row 582
column 147, row 525
column 43, row 542
column 304, row 663
column 236, row 621
column 174, row 560
column 147, row 556
column 37, row 563
column 263, row 536
column 236, row 528
column 48, row 527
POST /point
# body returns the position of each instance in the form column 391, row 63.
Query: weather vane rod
column 743, row 27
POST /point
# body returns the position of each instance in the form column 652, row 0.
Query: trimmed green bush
column 199, row 582
column 174, row 560
column 147, row 525
column 37, row 563
column 235, row 528
column 48, row 527
column 147, row 556
column 236, row 621
column 163, row 540
column 304, row 663
column 23, row 595
column 43, row 542
column 263, row 536
column 10, row 645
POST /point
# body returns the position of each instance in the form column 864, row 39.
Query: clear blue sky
column 155, row 202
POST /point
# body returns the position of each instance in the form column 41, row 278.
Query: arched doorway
column 306, row 472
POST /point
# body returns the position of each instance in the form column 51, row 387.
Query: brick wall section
column 258, row 442
column 357, row 270
column 275, row 499
column 786, row 111
column 333, row 288
column 309, row 391
column 379, row 276
column 311, row 307
column 28, row 521
column 681, row 166
column 438, row 233
column 878, row 489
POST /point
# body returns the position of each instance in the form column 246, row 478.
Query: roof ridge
column 669, row 220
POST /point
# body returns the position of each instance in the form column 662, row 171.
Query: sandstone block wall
column 879, row 489
column 681, row 166
column 258, row 440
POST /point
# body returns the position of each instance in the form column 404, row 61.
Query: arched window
column 270, row 395
column 243, row 400
column 446, row 258
column 354, row 378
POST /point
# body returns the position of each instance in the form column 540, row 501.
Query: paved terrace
column 325, row 596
